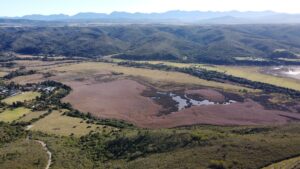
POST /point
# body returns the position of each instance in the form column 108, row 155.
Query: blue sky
column 71, row 7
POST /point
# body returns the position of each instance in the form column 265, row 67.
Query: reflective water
column 186, row 102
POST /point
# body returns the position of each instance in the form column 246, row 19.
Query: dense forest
column 218, row 44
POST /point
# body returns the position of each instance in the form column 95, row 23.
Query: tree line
column 219, row 77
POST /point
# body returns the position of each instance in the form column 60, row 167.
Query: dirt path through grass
column 48, row 152
column 44, row 145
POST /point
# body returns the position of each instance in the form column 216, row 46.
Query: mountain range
column 180, row 17
column 217, row 44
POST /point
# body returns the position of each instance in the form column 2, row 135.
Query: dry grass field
column 154, row 76
column 251, row 73
column 32, row 115
column 39, row 65
column 25, row 96
column 255, row 74
column 293, row 163
column 14, row 114
column 57, row 123
column 35, row 78
column 23, row 154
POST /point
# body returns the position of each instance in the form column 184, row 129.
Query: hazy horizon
column 109, row 13
column 17, row 8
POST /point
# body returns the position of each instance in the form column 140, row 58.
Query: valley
column 116, row 109
column 71, row 104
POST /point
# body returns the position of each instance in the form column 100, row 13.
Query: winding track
column 44, row 145
column 48, row 152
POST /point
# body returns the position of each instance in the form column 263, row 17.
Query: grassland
column 25, row 96
column 154, row 76
column 34, row 78
column 57, row 123
column 65, row 153
column 252, row 73
column 23, row 154
column 14, row 114
column 226, row 147
column 229, row 149
column 42, row 65
column 176, row 148
column 32, row 115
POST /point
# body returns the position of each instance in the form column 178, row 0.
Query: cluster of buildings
column 46, row 89
column 4, row 91
column 7, row 92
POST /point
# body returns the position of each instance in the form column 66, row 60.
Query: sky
column 71, row 7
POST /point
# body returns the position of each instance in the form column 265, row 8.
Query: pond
column 183, row 101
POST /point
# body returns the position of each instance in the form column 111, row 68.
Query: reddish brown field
column 247, row 113
column 121, row 99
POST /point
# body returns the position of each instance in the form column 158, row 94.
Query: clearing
column 57, row 123
column 32, row 115
column 14, row 114
column 22, row 97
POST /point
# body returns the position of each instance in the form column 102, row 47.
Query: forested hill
column 214, row 43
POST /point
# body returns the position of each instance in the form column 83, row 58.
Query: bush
column 218, row 164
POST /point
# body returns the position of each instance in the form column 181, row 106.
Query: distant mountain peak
column 195, row 17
